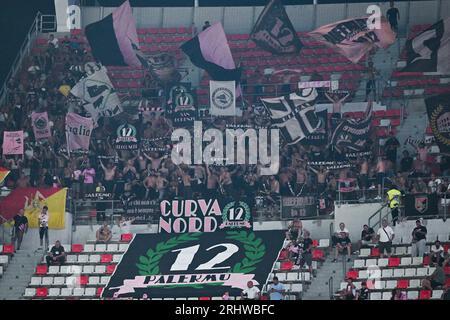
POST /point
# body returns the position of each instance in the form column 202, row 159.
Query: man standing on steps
column 20, row 228
column 393, row 16
column 393, row 197
column 43, row 227
column 385, row 236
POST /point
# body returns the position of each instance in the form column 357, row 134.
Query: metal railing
column 24, row 51
column 330, row 288
column 376, row 218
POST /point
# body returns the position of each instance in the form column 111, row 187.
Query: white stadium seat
column 362, row 274
column 375, row 296
column 89, row 248
column 116, row 258
column 282, row 276
column 94, row 258
column 437, row 294
column 54, row 292
column 296, row 287
column 71, row 258
column 104, row 280
column 431, row 270
column 364, row 252
column 410, row 272
column 387, row 273
column 405, row 261
column 324, row 243
column 83, row 258
column 100, row 269
column 415, row 283
column 47, row 281
column 391, row 284
column 78, row 292
column 371, row 262
column 53, row 270
column 35, row 281
column 421, row 272
column 66, row 292
column 383, row 262
column 359, row 263
column 123, row 247
column 398, row 273
column 30, row 292
column 100, row 248
column 94, row 280
column 401, row 250
column 88, row 269
column 59, row 281
column 417, row 261
column 386, row 296
column 4, row 259
column 90, row 292
column 113, row 247
column 412, row 295
column 292, row 276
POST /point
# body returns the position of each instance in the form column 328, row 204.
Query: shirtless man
column 161, row 184
column 225, row 181
column 363, row 175
column 187, row 182
column 109, row 174
column 321, row 178
column 150, row 185
column 301, row 180
column 212, row 181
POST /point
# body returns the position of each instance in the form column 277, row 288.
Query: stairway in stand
column 18, row 274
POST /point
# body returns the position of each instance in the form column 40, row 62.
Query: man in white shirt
column 385, row 235
column 251, row 293
column 54, row 41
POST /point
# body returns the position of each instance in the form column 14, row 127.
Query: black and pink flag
column 353, row 38
column 209, row 50
column 114, row 39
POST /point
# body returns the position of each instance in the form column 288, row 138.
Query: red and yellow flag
column 32, row 200
column 3, row 174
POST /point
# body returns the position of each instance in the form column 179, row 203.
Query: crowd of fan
column 152, row 175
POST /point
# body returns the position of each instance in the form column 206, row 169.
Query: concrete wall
column 303, row 17
column 354, row 216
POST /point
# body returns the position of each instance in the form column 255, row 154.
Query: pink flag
column 41, row 128
column 13, row 142
column 78, row 131
column 353, row 38
column 125, row 29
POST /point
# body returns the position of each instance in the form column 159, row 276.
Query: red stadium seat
column 318, row 254
column 352, row 274
column 315, row 243
column 403, row 284
column 41, row 292
column 110, row 269
column 106, row 258
column 375, row 252
column 286, row 265
column 393, row 262
column 99, row 292
column 426, row 260
column 283, row 255
column 424, row 294
column 126, row 237
column 447, row 270
column 204, row 298
column 41, row 269
column 83, row 280
column 77, row 248
column 8, row 248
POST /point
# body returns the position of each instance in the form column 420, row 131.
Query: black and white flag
column 99, row 95
column 294, row 114
column 429, row 51
column 274, row 31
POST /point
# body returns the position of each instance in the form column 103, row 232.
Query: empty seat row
column 398, row 251
column 388, row 262
column 62, row 292
column 73, row 280
column 411, row 295
column 75, row 269
column 93, row 258
column 88, row 248
column 395, row 273
column 292, row 276
column 289, row 265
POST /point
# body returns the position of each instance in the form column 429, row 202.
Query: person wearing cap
column 419, row 240
column 251, row 292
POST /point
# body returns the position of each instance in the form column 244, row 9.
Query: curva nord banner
column 194, row 264
column 204, row 215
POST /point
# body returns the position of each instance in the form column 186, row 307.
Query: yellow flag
column 56, row 204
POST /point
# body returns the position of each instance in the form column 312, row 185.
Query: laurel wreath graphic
column 433, row 123
column 230, row 205
column 254, row 252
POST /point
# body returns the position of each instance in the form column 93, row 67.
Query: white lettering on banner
column 333, row 84
column 374, row 20
column 234, row 280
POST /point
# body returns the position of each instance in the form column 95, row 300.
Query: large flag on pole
column 78, row 132
column 438, row 109
column 274, row 32
column 353, row 38
column 429, row 51
column 209, row 50
column 114, row 39
column 294, row 114
column 99, row 94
